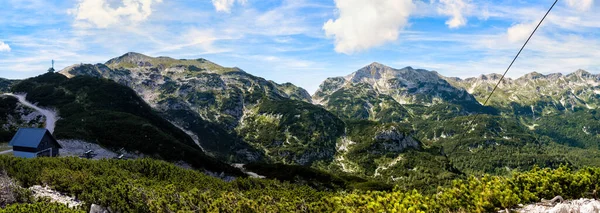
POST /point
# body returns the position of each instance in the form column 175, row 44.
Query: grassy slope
column 424, row 167
column 489, row 144
column 292, row 130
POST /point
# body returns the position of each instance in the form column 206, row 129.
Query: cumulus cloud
column 455, row 9
column 520, row 32
column 225, row 5
column 4, row 47
column 101, row 14
column 363, row 24
column 581, row 5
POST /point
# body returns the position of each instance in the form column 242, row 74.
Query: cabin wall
column 55, row 151
column 47, row 143
column 24, row 154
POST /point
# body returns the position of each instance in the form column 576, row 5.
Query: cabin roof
column 30, row 137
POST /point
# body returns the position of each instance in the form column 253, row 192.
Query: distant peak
column 134, row 54
column 533, row 75
column 491, row 76
column 130, row 57
column 376, row 65
column 554, row 75
column 581, row 72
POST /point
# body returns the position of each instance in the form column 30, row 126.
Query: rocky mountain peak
column 554, row 75
column 371, row 71
column 376, row 65
column 133, row 58
column 377, row 72
column 582, row 73
column 533, row 76
column 492, row 76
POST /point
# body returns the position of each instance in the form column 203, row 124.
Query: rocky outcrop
column 8, row 190
column 294, row 92
column 54, row 196
column 393, row 140
column 573, row 206
column 94, row 208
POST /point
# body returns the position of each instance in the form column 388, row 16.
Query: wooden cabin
column 34, row 142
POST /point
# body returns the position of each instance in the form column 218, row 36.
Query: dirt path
column 50, row 115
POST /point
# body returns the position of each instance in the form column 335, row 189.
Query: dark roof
column 29, row 137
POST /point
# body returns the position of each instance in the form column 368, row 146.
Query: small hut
column 34, row 142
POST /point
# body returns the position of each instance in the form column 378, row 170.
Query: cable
column 519, row 53
column 509, row 66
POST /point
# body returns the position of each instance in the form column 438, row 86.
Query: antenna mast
column 51, row 69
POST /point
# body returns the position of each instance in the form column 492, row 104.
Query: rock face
column 377, row 91
column 396, row 141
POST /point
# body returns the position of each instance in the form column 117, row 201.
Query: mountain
column 529, row 119
column 535, row 94
column 562, row 107
column 377, row 131
column 378, row 123
column 294, row 92
column 197, row 93
column 257, row 120
column 381, row 93
column 113, row 116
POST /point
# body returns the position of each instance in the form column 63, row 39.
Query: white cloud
column 4, row 47
column 287, row 19
column 363, row 24
column 192, row 39
column 581, row 5
column 100, row 13
column 456, row 9
column 520, row 32
column 225, row 5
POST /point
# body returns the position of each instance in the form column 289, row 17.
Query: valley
column 241, row 118
column 378, row 128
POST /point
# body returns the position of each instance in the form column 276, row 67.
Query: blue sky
column 303, row 41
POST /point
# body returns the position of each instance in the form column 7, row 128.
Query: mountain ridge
column 189, row 90
column 267, row 121
column 399, row 108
